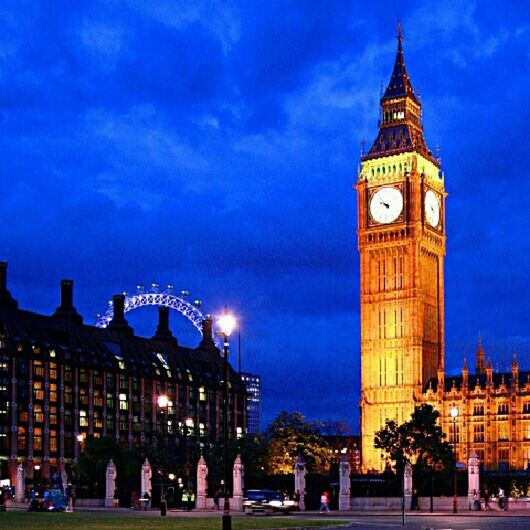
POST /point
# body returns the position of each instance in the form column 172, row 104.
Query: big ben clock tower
column 401, row 237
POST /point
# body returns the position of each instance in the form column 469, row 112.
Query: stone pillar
column 408, row 485
column 20, row 485
column 145, row 478
column 238, row 474
column 473, row 476
column 64, row 477
column 344, row 483
column 202, row 475
column 110, row 485
column 300, row 472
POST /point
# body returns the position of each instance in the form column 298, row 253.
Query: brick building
column 62, row 381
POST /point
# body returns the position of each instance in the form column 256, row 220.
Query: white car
column 267, row 502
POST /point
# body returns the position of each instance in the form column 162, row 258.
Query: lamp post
column 163, row 403
column 454, row 415
column 188, row 431
column 226, row 325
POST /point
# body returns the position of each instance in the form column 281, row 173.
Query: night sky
column 214, row 146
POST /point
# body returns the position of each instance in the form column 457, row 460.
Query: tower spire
column 399, row 85
column 399, row 30
column 400, row 127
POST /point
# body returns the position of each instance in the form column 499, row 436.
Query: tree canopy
column 419, row 441
column 290, row 435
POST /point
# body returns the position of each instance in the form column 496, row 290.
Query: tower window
column 478, row 432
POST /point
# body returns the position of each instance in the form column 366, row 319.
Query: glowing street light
column 163, row 403
column 226, row 323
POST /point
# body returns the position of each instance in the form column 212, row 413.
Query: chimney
column 6, row 300
column 118, row 321
column 162, row 331
column 207, row 342
column 66, row 310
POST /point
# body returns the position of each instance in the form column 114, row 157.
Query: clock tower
column 401, row 238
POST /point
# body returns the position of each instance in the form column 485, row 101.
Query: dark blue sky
column 214, row 146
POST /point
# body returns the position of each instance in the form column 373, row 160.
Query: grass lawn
column 80, row 521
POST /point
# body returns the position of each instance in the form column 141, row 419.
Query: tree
column 252, row 448
column 335, row 428
column 290, row 435
column 419, row 441
column 89, row 472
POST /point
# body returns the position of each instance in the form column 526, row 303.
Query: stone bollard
column 20, row 486
column 473, row 477
column 202, row 475
column 300, row 472
column 344, row 483
column 110, row 484
column 145, row 479
column 238, row 474
column 407, row 483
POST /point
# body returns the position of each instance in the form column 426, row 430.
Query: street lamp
column 163, row 403
column 227, row 324
column 454, row 415
column 188, row 431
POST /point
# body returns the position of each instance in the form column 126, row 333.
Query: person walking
column 476, row 501
column 414, row 501
column 501, row 498
column 216, row 497
column 487, row 499
column 324, row 502
column 184, row 499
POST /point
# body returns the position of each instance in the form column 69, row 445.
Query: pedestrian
column 414, row 501
column 216, row 497
column 476, row 501
column 191, row 500
column 487, row 500
column 501, row 498
column 296, row 498
column 147, row 498
column 324, row 502
column 184, row 499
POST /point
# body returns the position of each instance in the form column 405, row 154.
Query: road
column 439, row 522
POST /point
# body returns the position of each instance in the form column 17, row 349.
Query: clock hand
column 387, row 206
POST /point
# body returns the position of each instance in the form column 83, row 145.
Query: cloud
column 214, row 146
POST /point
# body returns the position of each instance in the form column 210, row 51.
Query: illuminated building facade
column 401, row 239
column 62, row 381
column 252, row 383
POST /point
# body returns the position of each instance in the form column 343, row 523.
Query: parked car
column 267, row 502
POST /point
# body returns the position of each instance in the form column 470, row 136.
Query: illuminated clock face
column 386, row 205
column 432, row 208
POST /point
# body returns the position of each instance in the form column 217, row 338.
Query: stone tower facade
column 401, row 238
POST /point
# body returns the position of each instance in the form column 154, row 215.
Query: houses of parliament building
column 402, row 244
